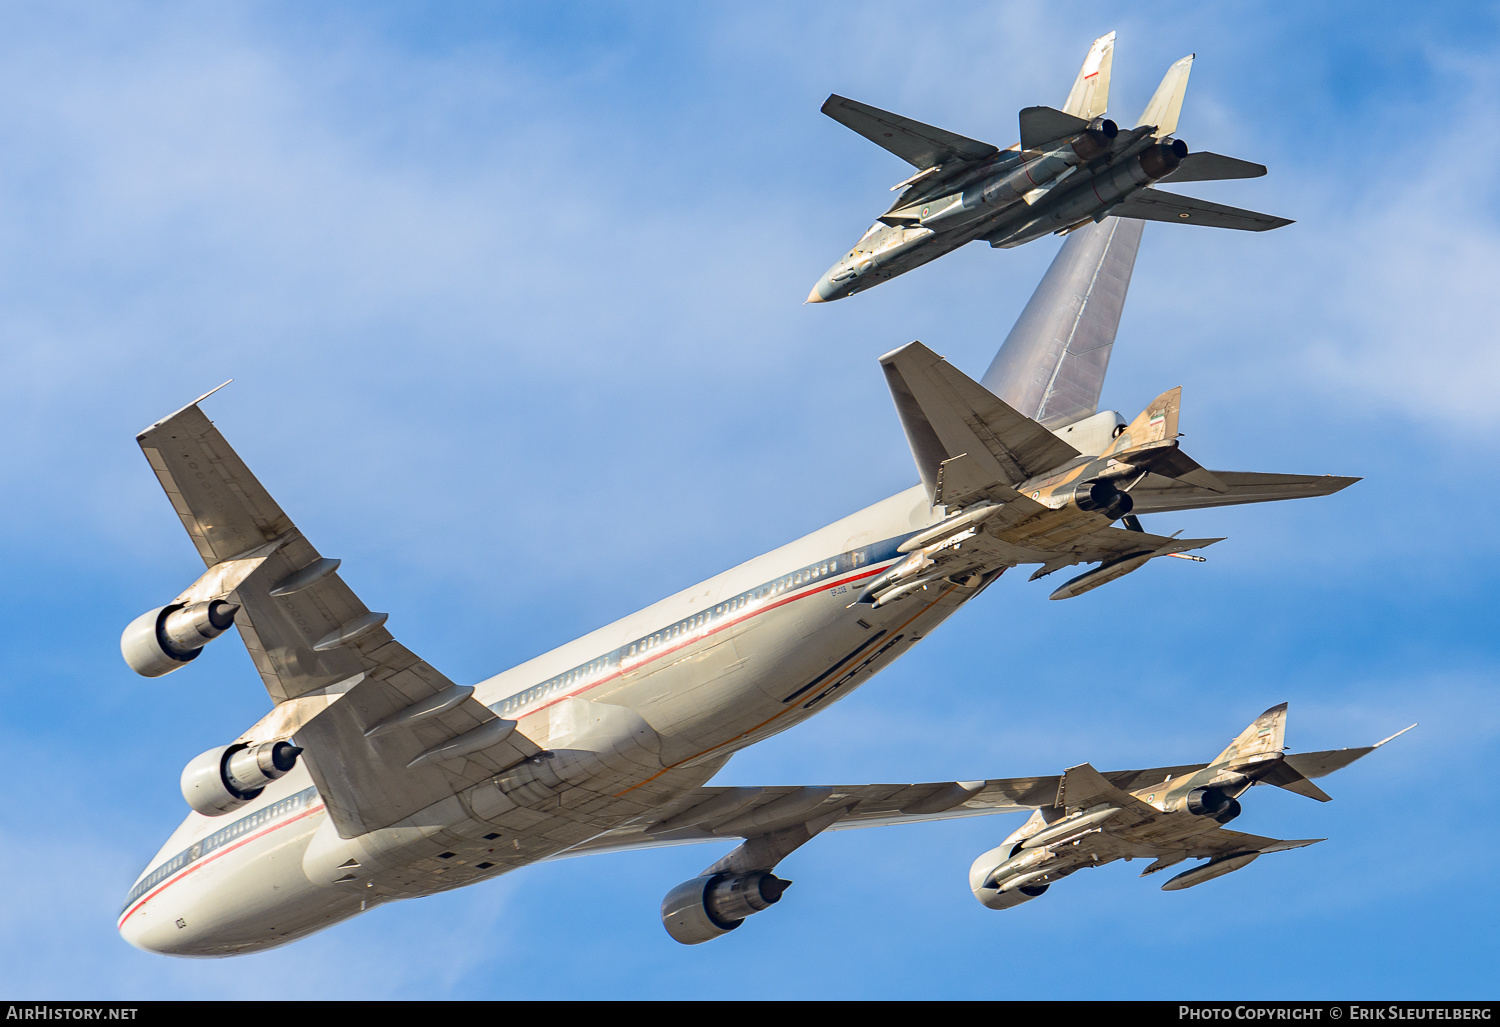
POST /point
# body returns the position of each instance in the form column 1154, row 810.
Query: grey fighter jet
column 1167, row 815
column 1072, row 167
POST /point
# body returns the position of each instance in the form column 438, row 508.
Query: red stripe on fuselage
column 749, row 614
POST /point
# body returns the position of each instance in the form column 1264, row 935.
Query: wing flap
column 922, row 146
column 1150, row 204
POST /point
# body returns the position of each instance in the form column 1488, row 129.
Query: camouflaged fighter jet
column 1169, row 814
column 1072, row 167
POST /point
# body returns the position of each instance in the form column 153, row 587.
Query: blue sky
column 512, row 298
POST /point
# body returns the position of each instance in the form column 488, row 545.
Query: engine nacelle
column 1208, row 802
column 706, row 907
column 224, row 779
column 1099, row 495
column 169, row 637
column 1011, row 874
column 1163, row 159
column 1230, row 812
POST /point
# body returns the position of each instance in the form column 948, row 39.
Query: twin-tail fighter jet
column 375, row 777
column 1072, row 167
column 1167, row 815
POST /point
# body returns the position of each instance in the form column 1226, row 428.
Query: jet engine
column 224, row 779
column 1099, row 495
column 1207, row 802
column 165, row 639
column 706, row 907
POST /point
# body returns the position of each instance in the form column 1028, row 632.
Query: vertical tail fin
column 1089, row 97
column 1052, row 364
column 1166, row 105
column 1154, row 424
column 1266, row 735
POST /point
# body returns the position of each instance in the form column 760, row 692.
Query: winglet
column 1166, row 104
column 179, row 410
column 1089, row 97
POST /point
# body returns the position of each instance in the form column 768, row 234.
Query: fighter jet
column 1072, row 167
column 376, row 777
column 1168, row 815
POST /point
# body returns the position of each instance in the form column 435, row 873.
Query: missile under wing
column 1072, row 167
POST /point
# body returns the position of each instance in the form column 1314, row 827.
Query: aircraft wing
column 1109, row 543
column 1318, row 764
column 326, row 659
column 720, row 813
column 922, row 146
column 1223, row 842
column 1158, row 494
column 1150, row 204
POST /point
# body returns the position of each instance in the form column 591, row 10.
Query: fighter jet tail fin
column 1166, row 104
column 1089, row 97
column 1266, row 735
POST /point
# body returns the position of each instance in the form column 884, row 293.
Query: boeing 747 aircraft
column 375, row 777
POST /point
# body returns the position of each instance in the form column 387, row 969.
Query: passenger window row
column 567, row 680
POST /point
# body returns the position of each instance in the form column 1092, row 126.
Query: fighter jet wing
column 922, row 146
column 1224, row 841
column 1318, row 764
column 1158, row 494
column 1109, row 543
column 326, row 659
column 1150, row 204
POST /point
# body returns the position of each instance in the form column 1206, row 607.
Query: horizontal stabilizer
column 922, row 146
column 1155, row 205
column 1284, row 776
column 1204, row 166
column 1043, row 125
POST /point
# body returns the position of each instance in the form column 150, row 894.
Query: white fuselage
column 712, row 669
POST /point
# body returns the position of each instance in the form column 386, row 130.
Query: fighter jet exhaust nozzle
column 1161, row 160
column 224, row 779
column 713, row 905
column 1096, row 140
column 169, row 637
column 1207, row 802
column 1098, row 495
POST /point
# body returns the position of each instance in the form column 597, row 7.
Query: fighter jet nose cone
column 813, row 297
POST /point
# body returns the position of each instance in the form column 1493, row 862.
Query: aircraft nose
column 142, row 933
